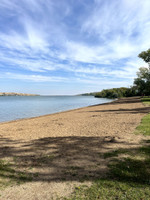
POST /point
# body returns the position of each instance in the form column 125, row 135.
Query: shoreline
column 46, row 115
column 121, row 116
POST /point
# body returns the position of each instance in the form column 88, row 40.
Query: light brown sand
column 61, row 150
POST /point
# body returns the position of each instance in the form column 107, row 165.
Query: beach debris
column 109, row 139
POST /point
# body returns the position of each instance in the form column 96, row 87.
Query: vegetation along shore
column 141, row 86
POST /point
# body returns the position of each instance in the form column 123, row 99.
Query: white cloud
column 109, row 38
column 96, row 83
column 34, row 78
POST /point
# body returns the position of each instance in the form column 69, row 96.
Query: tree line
column 141, row 86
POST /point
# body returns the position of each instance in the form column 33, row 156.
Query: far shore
column 16, row 94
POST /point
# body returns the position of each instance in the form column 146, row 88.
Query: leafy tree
column 145, row 55
column 142, row 81
column 117, row 92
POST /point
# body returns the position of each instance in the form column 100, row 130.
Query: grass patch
column 45, row 159
column 72, row 170
column 146, row 100
column 128, row 177
column 115, row 153
column 146, row 103
column 11, row 173
column 144, row 127
column 145, row 150
column 112, row 190
column 131, row 170
column 10, row 176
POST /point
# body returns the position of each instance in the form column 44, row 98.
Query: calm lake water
column 17, row 107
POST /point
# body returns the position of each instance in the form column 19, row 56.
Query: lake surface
column 18, row 107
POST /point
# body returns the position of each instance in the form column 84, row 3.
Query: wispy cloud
column 73, row 40
column 34, row 78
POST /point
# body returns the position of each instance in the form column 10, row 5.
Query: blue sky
column 71, row 46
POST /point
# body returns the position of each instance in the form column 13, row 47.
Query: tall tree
column 145, row 55
column 143, row 75
column 142, row 81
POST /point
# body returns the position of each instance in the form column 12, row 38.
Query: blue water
column 18, row 107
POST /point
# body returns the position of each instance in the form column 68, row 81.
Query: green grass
column 112, row 190
column 146, row 100
column 128, row 177
column 115, row 153
column 10, row 176
column 144, row 127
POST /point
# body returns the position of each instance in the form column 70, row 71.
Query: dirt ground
column 56, row 153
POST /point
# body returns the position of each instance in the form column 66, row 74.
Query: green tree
column 142, row 81
column 145, row 55
column 117, row 92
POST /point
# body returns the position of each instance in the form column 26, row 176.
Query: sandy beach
column 61, row 151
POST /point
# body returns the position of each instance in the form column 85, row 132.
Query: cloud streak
column 67, row 40
column 33, row 78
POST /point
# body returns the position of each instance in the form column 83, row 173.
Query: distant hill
column 16, row 94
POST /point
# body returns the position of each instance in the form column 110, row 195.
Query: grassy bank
column 144, row 127
column 129, row 172
column 146, row 100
